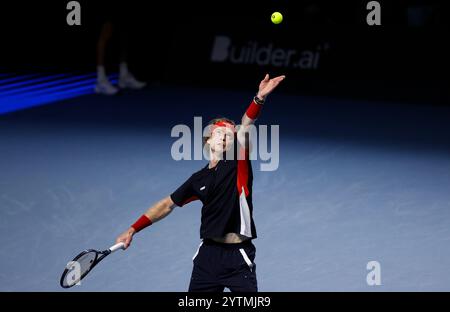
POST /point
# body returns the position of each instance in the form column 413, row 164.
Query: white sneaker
column 105, row 87
column 129, row 82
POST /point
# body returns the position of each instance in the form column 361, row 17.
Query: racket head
column 79, row 267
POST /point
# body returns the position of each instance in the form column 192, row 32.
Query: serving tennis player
column 226, row 255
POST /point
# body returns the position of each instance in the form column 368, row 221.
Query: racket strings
column 78, row 268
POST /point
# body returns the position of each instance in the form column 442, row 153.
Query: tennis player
column 226, row 255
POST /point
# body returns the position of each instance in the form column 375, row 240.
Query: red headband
column 223, row 124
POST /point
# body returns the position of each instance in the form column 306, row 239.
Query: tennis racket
column 82, row 264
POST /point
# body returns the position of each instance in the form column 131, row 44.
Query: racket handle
column 116, row 247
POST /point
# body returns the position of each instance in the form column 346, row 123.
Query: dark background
column 406, row 58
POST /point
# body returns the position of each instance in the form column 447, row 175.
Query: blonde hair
column 212, row 122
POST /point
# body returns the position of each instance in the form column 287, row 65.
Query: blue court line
column 42, row 86
column 17, row 78
column 69, row 86
column 45, row 99
column 33, row 82
column 9, row 104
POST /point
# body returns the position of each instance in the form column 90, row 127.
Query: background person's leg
column 103, row 85
column 124, row 26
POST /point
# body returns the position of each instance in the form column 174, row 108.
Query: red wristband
column 253, row 110
column 142, row 223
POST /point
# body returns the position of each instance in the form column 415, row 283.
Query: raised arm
column 155, row 213
column 266, row 86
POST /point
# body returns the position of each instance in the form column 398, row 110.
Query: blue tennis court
column 357, row 181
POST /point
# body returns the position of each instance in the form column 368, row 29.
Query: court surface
column 358, row 181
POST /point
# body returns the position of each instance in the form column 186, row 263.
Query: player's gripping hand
column 126, row 237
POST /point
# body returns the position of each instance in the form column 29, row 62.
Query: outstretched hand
column 267, row 85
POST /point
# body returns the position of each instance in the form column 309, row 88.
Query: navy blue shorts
column 219, row 265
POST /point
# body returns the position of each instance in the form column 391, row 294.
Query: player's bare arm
column 158, row 211
column 266, row 86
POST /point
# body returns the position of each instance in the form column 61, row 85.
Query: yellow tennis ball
column 276, row 17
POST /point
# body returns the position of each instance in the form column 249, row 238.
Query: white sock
column 123, row 68
column 101, row 74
